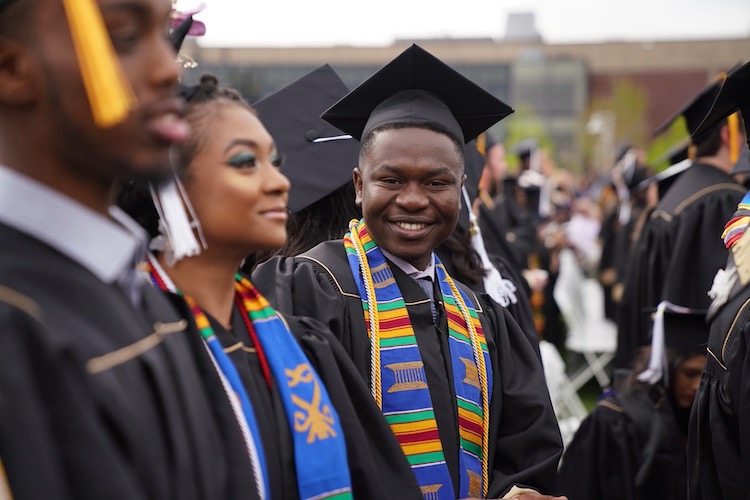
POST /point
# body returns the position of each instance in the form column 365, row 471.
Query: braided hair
column 202, row 103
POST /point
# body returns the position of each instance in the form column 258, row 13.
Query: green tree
column 627, row 106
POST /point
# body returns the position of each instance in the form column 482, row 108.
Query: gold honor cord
column 108, row 90
column 479, row 359
column 372, row 313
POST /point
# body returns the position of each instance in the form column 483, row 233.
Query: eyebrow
column 430, row 173
column 246, row 142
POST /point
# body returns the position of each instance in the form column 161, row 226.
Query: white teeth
column 410, row 227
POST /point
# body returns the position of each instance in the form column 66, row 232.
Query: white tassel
column 657, row 363
column 178, row 226
column 501, row 290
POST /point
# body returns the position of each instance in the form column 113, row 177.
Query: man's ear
column 17, row 84
column 357, row 179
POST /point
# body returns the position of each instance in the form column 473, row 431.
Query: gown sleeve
column 602, row 459
column 293, row 286
column 719, row 434
column 525, row 442
column 53, row 442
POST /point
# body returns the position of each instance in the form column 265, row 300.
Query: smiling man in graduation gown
column 679, row 249
column 719, row 435
column 102, row 393
column 458, row 381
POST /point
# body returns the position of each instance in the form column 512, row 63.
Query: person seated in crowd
column 633, row 445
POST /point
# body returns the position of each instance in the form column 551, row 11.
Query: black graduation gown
column 678, row 253
column 628, row 448
column 521, row 310
column 525, row 442
column 153, row 423
column 372, row 450
column 508, row 230
column 719, row 435
column 607, row 263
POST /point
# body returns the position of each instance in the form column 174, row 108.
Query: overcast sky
column 379, row 22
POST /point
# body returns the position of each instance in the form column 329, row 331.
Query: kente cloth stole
column 311, row 417
column 737, row 225
column 230, row 379
column 397, row 377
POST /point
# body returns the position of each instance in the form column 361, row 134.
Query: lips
column 278, row 214
column 165, row 121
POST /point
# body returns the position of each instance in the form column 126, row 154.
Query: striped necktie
column 426, row 284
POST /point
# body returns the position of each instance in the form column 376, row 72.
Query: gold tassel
column 691, row 151
column 482, row 144
column 733, row 122
column 109, row 92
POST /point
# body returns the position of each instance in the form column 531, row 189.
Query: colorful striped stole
column 737, row 225
column 229, row 377
column 396, row 365
column 312, row 419
column 319, row 446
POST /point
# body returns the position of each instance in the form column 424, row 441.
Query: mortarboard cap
column 666, row 177
column 416, row 87
column 686, row 330
column 694, row 110
column 319, row 158
column 674, row 327
column 178, row 34
column 526, row 147
column 734, row 95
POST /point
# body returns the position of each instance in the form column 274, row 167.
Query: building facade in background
column 553, row 86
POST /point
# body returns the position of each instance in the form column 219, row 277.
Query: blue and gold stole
column 319, row 446
column 397, row 365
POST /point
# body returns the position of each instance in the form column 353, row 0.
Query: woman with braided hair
column 295, row 392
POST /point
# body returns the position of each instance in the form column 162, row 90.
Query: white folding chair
column 568, row 406
column 581, row 302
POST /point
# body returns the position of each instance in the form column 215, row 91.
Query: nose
column 165, row 72
column 412, row 197
column 275, row 182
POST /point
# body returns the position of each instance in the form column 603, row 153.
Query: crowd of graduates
column 340, row 293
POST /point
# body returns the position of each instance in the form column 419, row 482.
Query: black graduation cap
column 684, row 328
column 178, row 34
column 666, row 177
column 319, row 158
column 734, row 95
column 416, row 87
column 526, row 147
column 694, row 110
column 674, row 327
